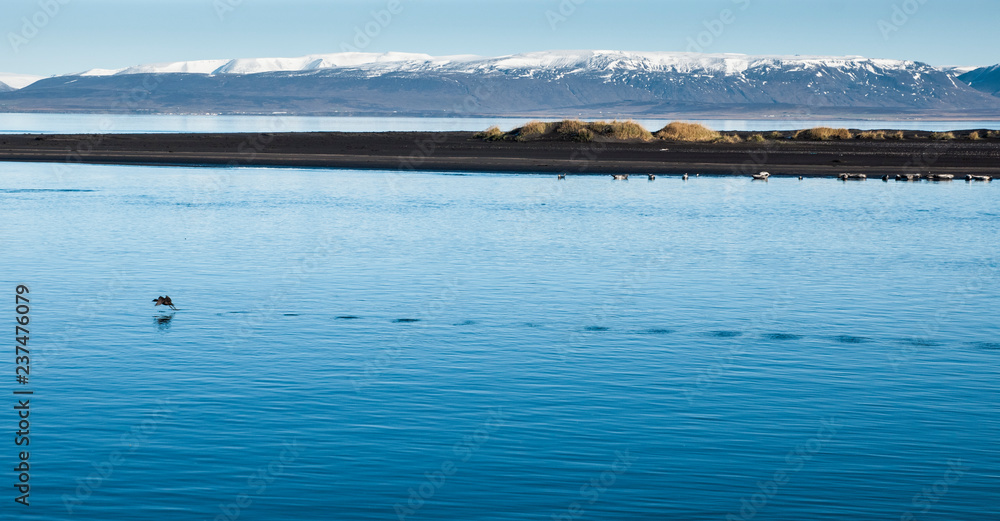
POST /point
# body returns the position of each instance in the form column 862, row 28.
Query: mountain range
column 554, row 83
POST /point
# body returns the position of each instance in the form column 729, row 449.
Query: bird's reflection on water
column 163, row 321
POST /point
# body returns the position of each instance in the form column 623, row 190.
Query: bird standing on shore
column 164, row 301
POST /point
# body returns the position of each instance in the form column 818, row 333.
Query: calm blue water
column 520, row 348
column 15, row 123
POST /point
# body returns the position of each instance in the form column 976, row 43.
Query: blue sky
column 75, row 35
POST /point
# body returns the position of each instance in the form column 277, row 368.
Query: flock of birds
column 763, row 176
column 917, row 177
column 624, row 177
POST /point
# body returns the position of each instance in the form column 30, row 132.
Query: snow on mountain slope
column 564, row 61
column 729, row 64
column 18, row 81
column 303, row 63
column 957, row 70
column 191, row 67
column 99, row 72
column 325, row 61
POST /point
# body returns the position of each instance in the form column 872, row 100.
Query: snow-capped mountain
column 986, row 79
column 18, row 81
column 957, row 70
column 551, row 83
column 388, row 61
column 607, row 62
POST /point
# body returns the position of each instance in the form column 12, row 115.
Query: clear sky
column 62, row 36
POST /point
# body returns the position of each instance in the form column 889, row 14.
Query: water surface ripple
column 368, row 345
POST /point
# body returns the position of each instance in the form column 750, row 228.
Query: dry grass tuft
column 943, row 136
column 730, row 139
column 776, row 135
column 975, row 136
column 533, row 129
column 993, row 133
column 757, row 138
column 680, row 131
column 823, row 134
column 585, row 135
column 491, row 134
column 897, row 135
column 624, row 130
column 877, row 135
column 570, row 129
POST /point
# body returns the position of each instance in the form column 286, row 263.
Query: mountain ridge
column 573, row 59
column 567, row 83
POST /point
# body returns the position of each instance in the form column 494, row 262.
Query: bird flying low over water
column 164, row 301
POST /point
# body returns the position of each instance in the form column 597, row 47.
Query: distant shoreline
column 814, row 114
column 463, row 152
